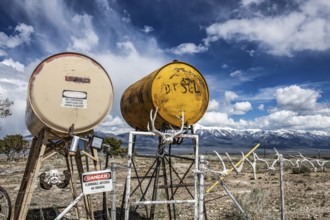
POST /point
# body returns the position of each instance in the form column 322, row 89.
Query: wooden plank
column 30, row 177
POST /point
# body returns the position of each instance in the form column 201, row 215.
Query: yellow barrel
column 68, row 89
column 173, row 88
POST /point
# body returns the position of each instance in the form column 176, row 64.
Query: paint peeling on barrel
column 173, row 88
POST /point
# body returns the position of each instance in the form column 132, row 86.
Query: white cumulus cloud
column 230, row 96
column 241, row 108
column 295, row 97
column 21, row 35
column 213, row 105
column 217, row 119
column 188, row 48
column 246, row 3
column 86, row 38
column 306, row 28
column 15, row 64
column 114, row 125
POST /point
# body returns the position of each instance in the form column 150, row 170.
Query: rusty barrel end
column 174, row 88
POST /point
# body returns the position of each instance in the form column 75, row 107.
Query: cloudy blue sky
column 266, row 62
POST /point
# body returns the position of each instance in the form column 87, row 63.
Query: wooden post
column 30, row 176
column 88, row 207
column 72, row 182
column 96, row 159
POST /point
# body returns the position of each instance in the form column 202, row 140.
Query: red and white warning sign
column 97, row 182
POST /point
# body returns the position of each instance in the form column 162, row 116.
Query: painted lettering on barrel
column 187, row 85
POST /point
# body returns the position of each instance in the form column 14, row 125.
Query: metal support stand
column 156, row 172
column 38, row 153
column 31, row 173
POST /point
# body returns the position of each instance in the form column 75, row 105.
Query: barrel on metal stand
column 173, row 88
column 68, row 89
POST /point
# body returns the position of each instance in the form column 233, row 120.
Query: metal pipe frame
column 130, row 162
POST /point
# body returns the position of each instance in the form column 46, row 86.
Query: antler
column 262, row 160
column 152, row 120
column 304, row 159
column 224, row 168
column 272, row 167
column 182, row 125
column 237, row 169
column 166, row 138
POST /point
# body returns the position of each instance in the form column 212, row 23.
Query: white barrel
column 68, row 89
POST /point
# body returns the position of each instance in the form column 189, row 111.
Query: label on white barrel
column 74, row 99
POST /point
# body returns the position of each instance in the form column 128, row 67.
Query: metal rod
column 122, row 209
column 166, row 189
column 181, row 180
column 156, row 173
column 146, row 190
column 215, row 198
column 114, row 191
column 175, row 156
column 201, row 188
column 72, row 204
column 155, row 188
column 145, row 176
column 171, row 177
column 140, row 182
column 236, row 165
column 104, row 194
column 164, row 202
column 175, row 185
column 232, row 197
column 41, row 213
column 122, row 206
column 129, row 171
column 195, row 141
column 282, row 188
column 180, row 157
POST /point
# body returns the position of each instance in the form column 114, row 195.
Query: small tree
column 12, row 146
column 5, row 107
column 115, row 147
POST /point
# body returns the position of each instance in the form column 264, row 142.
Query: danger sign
column 97, row 182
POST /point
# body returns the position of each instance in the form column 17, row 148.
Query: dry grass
column 307, row 195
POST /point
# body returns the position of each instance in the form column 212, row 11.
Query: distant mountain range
column 216, row 137
column 234, row 140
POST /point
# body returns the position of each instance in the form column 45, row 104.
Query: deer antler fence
column 296, row 161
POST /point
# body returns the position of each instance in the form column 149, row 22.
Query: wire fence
column 307, row 193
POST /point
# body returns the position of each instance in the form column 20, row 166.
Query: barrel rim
column 50, row 58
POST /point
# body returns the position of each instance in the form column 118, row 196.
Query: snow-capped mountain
column 228, row 137
column 211, row 136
